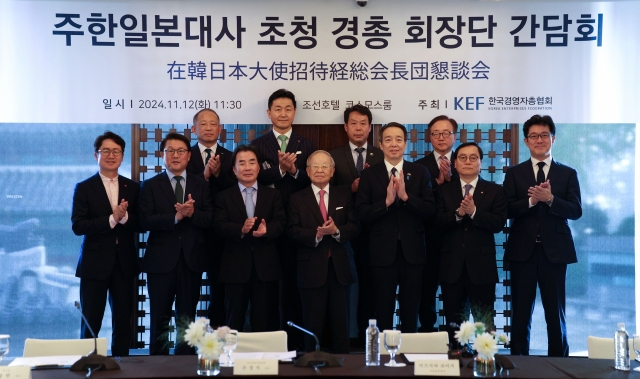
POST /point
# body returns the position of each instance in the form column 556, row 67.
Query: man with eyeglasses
column 470, row 211
column 105, row 213
column 213, row 162
column 542, row 194
column 176, row 209
column 442, row 134
column 394, row 199
column 321, row 223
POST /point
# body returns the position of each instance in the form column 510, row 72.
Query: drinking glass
column 636, row 347
column 230, row 344
column 392, row 341
column 4, row 345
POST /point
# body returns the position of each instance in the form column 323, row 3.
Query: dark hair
column 539, row 120
column 195, row 117
column 282, row 93
column 108, row 135
column 242, row 149
column 393, row 125
column 466, row 144
column 174, row 136
column 444, row 118
column 360, row 109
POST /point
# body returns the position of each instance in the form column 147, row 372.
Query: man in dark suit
column 213, row 162
column 250, row 216
column 350, row 160
column 175, row 207
column 105, row 213
column 542, row 195
column 395, row 198
column 283, row 154
column 470, row 211
column 442, row 133
column 321, row 222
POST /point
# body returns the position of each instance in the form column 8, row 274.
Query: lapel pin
column 371, row 154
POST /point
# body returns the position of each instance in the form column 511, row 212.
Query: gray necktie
column 360, row 161
column 248, row 202
column 179, row 191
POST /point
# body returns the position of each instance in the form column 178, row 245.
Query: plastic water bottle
column 621, row 347
column 373, row 344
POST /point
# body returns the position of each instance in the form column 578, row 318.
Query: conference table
column 135, row 367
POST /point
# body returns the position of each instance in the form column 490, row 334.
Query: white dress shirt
column 111, row 186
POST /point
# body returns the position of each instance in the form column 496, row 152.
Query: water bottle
column 373, row 344
column 621, row 348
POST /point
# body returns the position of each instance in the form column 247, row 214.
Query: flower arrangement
column 485, row 343
column 208, row 342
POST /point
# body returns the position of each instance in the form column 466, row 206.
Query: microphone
column 93, row 361
column 316, row 358
column 306, row 331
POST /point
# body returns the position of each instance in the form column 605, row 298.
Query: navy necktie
column 360, row 161
column 540, row 176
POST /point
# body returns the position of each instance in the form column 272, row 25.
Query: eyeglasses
column 472, row 158
column 544, row 136
column 180, row 152
column 320, row 166
column 106, row 152
column 442, row 134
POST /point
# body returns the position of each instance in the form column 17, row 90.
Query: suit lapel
column 382, row 174
column 101, row 192
column 457, row 193
column 554, row 170
column 371, row 154
column 479, row 191
column 432, row 165
column 313, row 205
column 196, row 156
column 123, row 189
column 349, row 159
column 293, row 144
column 261, row 202
column 527, row 172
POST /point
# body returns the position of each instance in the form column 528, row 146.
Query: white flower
column 223, row 331
column 210, row 345
column 466, row 332
column 479, row 328
column 503, row 339
column 194, row 333
column 485, row 345
column 202, row 320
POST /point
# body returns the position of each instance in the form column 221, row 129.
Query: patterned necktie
column 360, row 162
column 179, row 191
column 248, row 202
column 283, row 142
column 467, row 189
column 394, row 171
column 206, row 159
column 443, row 158
column 540, row 176
column 323, row 210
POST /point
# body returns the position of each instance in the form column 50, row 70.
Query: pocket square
column 298, row 152
column 338, row 208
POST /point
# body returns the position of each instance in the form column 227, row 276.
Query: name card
column 449, row 367
column 15, row 372
column 255, row 367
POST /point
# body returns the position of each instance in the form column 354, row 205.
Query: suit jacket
column 268, row 147
column 346, row 171
column 304, row 218
column 470, row 242
column 226, row 178
column 432, row 228
column 549, row 222
column 166, row 238
column 90, row 219
column 241, row 253
column 403, row 219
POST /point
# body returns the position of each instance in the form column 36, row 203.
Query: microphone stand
column 316, row 358
column 93, row 361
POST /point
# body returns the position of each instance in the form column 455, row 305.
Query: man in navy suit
column 105, row 213
column 283, row 155
column 250, row 217
column 175, row 207
column 442, row 133
column 350, row 160
column 322, row 222
column 470, row 211
column 394, row 199
column 213, row 162
column 542, row 195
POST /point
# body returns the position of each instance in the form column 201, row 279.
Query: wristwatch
column 550, row 201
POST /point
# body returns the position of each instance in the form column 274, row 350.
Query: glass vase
column 484, row 367
column 208, row 366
